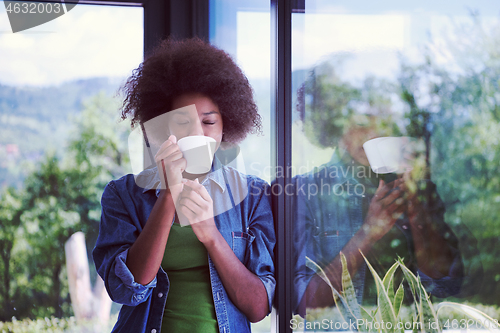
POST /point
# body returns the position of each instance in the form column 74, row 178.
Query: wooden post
column 87, row 305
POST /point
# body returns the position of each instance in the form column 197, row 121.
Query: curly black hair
column 177, row 67
column 325, row 105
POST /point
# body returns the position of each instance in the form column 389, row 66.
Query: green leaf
column 388, row 278
column 398, row 299
column 367, row 317
column 386, row 311
column 425, row 312
column 489, row 323
column 342, row 307
column 348, row 289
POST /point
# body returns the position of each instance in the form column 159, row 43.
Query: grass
column 55, row 325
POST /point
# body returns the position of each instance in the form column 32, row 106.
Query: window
column 423, row 77
column 59, row 124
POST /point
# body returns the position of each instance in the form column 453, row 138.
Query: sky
column 88, row 41
column 371, row 37
column 92, row 41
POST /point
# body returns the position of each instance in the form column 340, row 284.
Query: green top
column 190, row 305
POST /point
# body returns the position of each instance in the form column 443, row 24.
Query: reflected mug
column 390, row 154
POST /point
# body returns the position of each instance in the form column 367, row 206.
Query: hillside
column 36, row 119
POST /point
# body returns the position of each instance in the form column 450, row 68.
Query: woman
column 217, row 274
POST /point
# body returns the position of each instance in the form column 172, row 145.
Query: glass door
column 395, row 153
column 241, row 28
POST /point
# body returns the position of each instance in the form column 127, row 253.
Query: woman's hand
column 385, row 208
column 171, row 164
column 196, row 206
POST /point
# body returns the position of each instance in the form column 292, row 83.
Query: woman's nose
column 196, row 128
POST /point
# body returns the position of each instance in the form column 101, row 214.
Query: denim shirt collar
column 341, row 163
column 346, row 169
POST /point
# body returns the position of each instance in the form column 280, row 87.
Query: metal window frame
column 281, row 155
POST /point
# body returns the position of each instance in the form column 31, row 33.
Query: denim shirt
column 243, row 216
column 328, row 211
column 331, row 204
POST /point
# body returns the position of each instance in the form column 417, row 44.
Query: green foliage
column 54, row 325
column 10, row 220
column 59, row 197
column 389, row 313
column 99, row 142
column 36, row 119
column 456, row 108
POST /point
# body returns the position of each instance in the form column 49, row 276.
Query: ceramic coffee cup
column 198, row 150
column 390, row 154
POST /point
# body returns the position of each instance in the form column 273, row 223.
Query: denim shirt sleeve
column 303, row 227
column 261, row 226
column 443, row 287
column 117, row 232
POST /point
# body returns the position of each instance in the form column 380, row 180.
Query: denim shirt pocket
column 240, row 243
column 329, row 244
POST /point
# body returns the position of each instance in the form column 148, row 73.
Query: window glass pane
column 242, row 28
column 395, row 153
column 60, row 143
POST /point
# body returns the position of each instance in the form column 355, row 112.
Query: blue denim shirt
column 331, row 204
column 243, row 217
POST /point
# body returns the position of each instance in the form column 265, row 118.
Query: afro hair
column 177, row 67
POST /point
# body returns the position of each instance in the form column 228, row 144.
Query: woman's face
column 360, row 130
column 205, row 120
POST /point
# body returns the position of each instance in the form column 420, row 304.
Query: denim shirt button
column 153, row 330
column 160, row 295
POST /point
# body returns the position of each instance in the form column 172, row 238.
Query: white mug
column 390, row 154
column 198, row 150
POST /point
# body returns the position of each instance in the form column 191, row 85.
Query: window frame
column 281, row 157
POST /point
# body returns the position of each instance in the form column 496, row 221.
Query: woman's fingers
column 167, row 147
column 171, row 161
column 197, row 194
column 195, row 202
column 168, row 150
column 179, row 164
column 391, row 192
column 191, row 199
column 381, row 190
column 199, row 189
column 167, row 143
